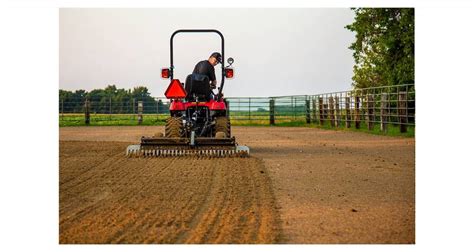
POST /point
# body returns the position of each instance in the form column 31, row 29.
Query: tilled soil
column 340, row 187
column 301, row 185
column 107, row 198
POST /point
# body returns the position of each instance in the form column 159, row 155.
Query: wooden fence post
column 133, row 106
column 250, row 113
column 370, row 111
column 110, row 108
column 272, row 111
column 348, row 112
column 362, row 109
column 140, row 112
column 158, row 110
column 314, row 119
column 331, row 110
column 383, row 113
column 87, row 112
column 308, row 111
column 357, row 112
column 402, row 111
column 321, row 112
column 338, row 113
column 326, row 111
column 62, row 108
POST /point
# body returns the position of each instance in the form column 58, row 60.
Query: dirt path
column 329, row 186
column 107, row 198
column 340, row 187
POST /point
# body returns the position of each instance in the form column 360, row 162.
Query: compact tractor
column 199, row 122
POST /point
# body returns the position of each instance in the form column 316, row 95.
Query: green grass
column 237, row 120
column 392, row 130
column 110, row 120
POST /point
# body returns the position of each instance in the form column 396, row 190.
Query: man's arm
column 213, row 84
column 213, row 78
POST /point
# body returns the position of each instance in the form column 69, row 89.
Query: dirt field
column 301, row 185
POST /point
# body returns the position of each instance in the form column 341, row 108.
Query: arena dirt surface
column 301, row 185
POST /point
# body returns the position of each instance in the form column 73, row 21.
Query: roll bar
column 200, row 31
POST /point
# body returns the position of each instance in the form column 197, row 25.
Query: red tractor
column 199, row 122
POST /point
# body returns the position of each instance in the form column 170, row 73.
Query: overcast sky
column 276, row 51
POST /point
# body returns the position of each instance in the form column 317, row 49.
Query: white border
column 29, row 84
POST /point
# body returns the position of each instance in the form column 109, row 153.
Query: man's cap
column 217, row 56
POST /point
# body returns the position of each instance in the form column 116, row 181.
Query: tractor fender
column 177, row 105
column 217, row 105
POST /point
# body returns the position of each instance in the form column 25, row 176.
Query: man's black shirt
column 205, row 68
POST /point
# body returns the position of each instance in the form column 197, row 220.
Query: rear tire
column 223, row 125
column 174, row 127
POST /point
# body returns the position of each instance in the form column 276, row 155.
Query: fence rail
column 382, row 106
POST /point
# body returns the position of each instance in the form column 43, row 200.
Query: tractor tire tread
column 174, row 127
column 223, row 125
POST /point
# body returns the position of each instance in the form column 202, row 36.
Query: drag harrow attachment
column 175, row 147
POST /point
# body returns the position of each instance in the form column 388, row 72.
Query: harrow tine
column 200, row 152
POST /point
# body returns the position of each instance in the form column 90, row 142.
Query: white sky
column 276, row 51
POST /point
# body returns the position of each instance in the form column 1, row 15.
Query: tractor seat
column 197, row 86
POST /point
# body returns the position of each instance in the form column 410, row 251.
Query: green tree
column 65, row 98
column 140, row 92
column 384, row 49
column 109, row 99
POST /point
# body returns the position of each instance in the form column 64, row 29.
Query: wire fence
column 387, row 105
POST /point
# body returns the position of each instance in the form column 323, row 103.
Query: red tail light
column 229, row 73
column 165, row 73
column 175, row 90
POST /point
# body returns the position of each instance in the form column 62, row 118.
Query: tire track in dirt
column 201, row 208
column 153, row 217
column 122, row 175
column 126, row 223
column 162, row 200
column 330, row 186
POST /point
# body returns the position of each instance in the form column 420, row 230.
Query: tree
column 384, row 49
column 140, row 92
column 109, row 99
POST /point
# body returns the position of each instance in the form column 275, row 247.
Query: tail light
column 229, row 73
column 165, row 73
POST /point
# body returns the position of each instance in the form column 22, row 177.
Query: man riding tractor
column 199, row 123
column 206, row 67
